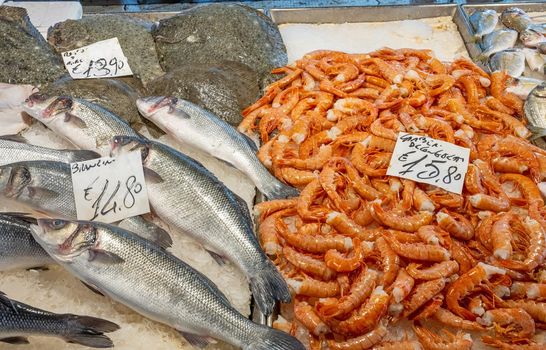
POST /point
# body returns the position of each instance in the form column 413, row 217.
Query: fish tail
column 272, row 339
column 89, row 331
column 268, row 287
column 278, row 190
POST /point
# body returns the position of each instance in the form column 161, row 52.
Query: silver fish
column 535, row 111
column 522, row 86
column 511, row 61
column 534, row 59
column 185, row 195
column 154, row 283
column 193, row 125
column 18, row 150
column 46, row 187
column 18, row 249
column 85, row 124
column 19, row 321
column 497, row 41
column 531, row 38
column 516, row 19
column 483, row 22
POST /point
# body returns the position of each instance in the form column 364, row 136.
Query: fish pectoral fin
column 92, row 288
column 15, row 340
column 69, row 117
column 220, row 260
column 14, row 138
column 4, row 300
column 250, row 142
column 104, row 257
column 198, row 341
column 41, row 192
column 152, row 176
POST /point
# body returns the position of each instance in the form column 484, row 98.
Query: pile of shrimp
column 363, row 251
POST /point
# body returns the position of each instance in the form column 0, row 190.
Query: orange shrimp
column 496, row 343
column 421, row 201
column 360, row 290
column 528, row 290
column 536, row 249
column 367, row 317
column 430, row 234
column 297, row 177
column 401, row 223
column 267, row 232
column 456, row 224
column 337, row 262
column 314, row 243
column 418, row 251
column 312, row 163
column 430, row 308
column 390, row 261
column 370, row 163
column 450, row 319
column 529, row 189
column 313, row 266
column 305, row 201
column 439, row 270
column 344, row 225
column 311, row 287
column 402, row 286
column 387, row 127
column 448, row 341
column 510, row 323
column 421, row 294
column 400, row 345
column 535, row 309
column 465, row 284
column 486, row 202
column 363, row 342
column 267, row 208
column 501, row 235
column 306, row 315
column 460, row 253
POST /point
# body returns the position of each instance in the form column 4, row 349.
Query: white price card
column 427, row 160
column 103, row 59
column 110, row 189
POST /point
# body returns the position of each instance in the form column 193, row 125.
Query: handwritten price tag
column 103, row 59
column 427, row 160
column 110, row 189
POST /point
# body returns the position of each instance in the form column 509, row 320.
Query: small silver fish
column 18, row 321
column 531, row 38
column 483, row 22
column 511, row 61
column 535, row 111
column 522, row 86
column 534, row 59
column 497, row 41
column 154, row 283
column 518, row 20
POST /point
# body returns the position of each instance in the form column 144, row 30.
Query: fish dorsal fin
column 92, row 288
column 14, row 138
column 77, row 121
column 152, row 176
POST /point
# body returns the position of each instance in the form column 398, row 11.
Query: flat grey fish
column 497, row 41
column 531, row 38
column 19, row 150
column 19, row 321
column 201, row 129
column 535, row 111
column 87, row 125
column 25, row 57
column 18, row 249
column 214, row 33
column 133, row 34
column 224, row 88
column 154, row 283
column 522, row 86
column 518, row 20
column 511, row 61
column 185, row 195
column 46, row 187
column 534, row 59
column 483, row 22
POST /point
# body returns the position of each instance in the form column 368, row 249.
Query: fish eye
column 57, row 224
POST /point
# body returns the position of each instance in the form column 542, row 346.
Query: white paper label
column 110, row 189
column 103, row 59
column 427, row 160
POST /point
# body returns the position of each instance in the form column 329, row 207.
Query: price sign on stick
column 103, row 59
column 110, row 189
column 427, row 160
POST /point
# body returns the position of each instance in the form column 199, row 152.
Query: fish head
column 46, row 108
column 124, row 144
column 148, row 106
column 540, row 91
column 14, row 178
column 530, row 37
column 65, row 239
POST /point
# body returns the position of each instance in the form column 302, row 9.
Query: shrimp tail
column 278, row 190
column 268, row 286
column 272, row 339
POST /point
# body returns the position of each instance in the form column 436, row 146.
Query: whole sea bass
column 85, row 124
column 19, row 321
column 184, row 194
column 18, row 249
column 201, row 129
column 154, row 283
column 46, row 187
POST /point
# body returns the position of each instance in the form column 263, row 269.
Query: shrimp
column 402, row 286
column 430, row 308
column 536, row 250
column 354, row 105
column 267, row 208
column 450, row 319
column 472, row 180
column 430, row 234
column 267, row 232
column 314, row 267
column 363, row 342
column 297, row 177
column 371, row 163
column 337, row 262
column 439, row 270
column 528, row 290
column 436, row 128
column 485, row 202
column 387, row 127
column 421, row 201
column 304, row 202
column 360, row 290
column 510, row 346
column 400, row 345
column 510, row 323
column 401, row 223
column 314, row 244
column 311, row 287
column 379, row 143
column 465, row 284
column 529, row 189
column 390, row 261
column 344, row 225
column 367, row 317
column 312, row 163
column 501, row 236
column 535, row 309
column 306, row 315
column 448, row 341
column 461, row 254
column 418, row 251
column 455, row 224
column 421, row 294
